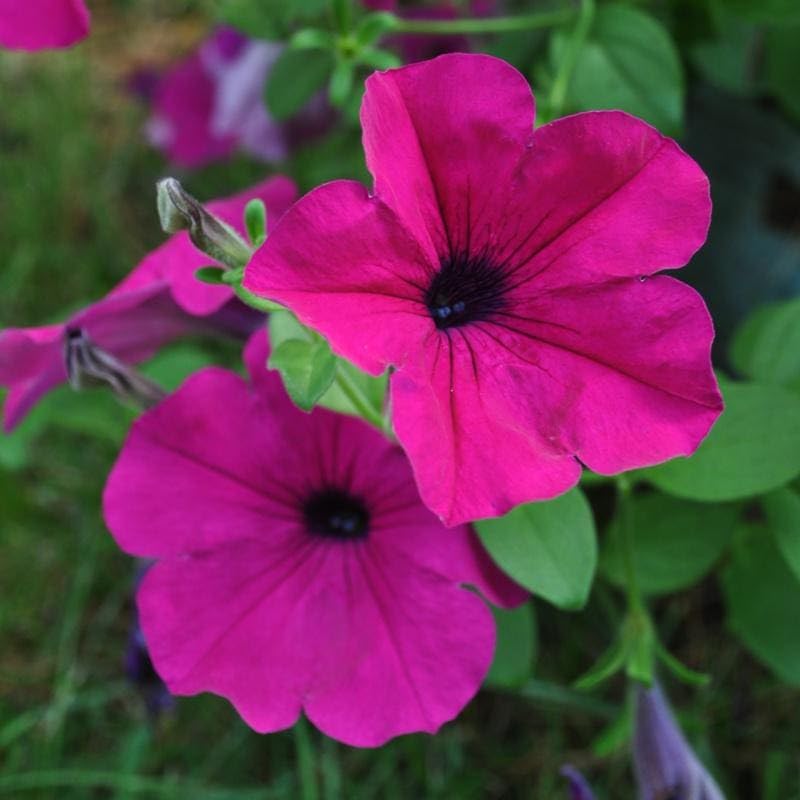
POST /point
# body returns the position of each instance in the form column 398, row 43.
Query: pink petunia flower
column 158, row 302
column 507, row 275
column 40, row 24
column 212, row 103
column 297, row 567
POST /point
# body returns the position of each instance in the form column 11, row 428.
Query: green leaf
column 675, row 542
column 515, row 650
column 763, row 597
column 341, row 82
column 766, row 347
column 782, row 509
column 373, row 390
column 628, row 62
column 753, row 448
column 170, row 368
column 255, row 221
column 267, row 19
column 212, row 275
column 777, row 11
column 307, row 369
column 549, row 548
column 294, row 79
column 373, row 26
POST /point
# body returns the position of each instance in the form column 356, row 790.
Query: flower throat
column 336, row 514
column 467, row 288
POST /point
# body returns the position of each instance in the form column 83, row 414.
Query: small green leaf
column 307, row 369
column 311, row 39
column 378, row 58
column 373, row 26
column 255, row 221
column 516, row 646
column 372, row 389
column 341, row 82
column 213, row 275
column 782, row 509
column 753, row 448
column 675, row 542
column 628, row 62
column 283, row 326
column 294, row 79
column 549, row 548
column 766, row 347
column 763, row 597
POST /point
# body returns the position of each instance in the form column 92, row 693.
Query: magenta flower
column 212, row 103
column 507, row 275
column 40, row 24
column 298, row 568
column 158, row 302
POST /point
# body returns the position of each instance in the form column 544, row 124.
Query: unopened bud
column 178, row 211
column 89, row 365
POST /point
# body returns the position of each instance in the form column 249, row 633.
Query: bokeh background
column 77, row 212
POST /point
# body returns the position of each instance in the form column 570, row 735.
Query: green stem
column 304, row 749
column 626, row 541
column 360, row 402
column 558, row 92
column 523, row 22
column 554, row 695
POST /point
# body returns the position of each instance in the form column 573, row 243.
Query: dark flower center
column 336, row 514
column 467, row 288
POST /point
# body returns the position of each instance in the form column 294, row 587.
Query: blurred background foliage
column 77, row 212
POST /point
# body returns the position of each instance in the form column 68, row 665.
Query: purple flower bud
column 579, row 789
column 666, row 767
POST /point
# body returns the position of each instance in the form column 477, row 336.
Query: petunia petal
column 600, row 195
column 432, row 145
column 218, row 490
column 473, row 456
column 345, row 266
column 39, row 24
column 621, row 371
column 413, row 651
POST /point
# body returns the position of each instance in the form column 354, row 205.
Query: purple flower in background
column 579, row 789
column 212, row 103
column 665, row 765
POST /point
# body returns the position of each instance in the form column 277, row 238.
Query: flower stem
column 360, row 402
column 558, row 91
column 523, row 22
column 624, row 510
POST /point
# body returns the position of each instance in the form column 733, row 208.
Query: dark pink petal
column 473, row 455
column 183, row 108
column 619, row 373
column 129, row 325
column 220, row 459
column 39, row 24
column 347, row 269
column 177, row 260
column 371, row 648
column 600, row 195
column 441, row 134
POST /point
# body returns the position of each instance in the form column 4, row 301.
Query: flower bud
column 665, row 765
column 178, row 210
column 579, row 789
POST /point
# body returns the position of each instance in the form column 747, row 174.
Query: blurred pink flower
column 506, row 275
column 298, row 568
column 41, row 24
column 159, row 301
column 212, row 104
